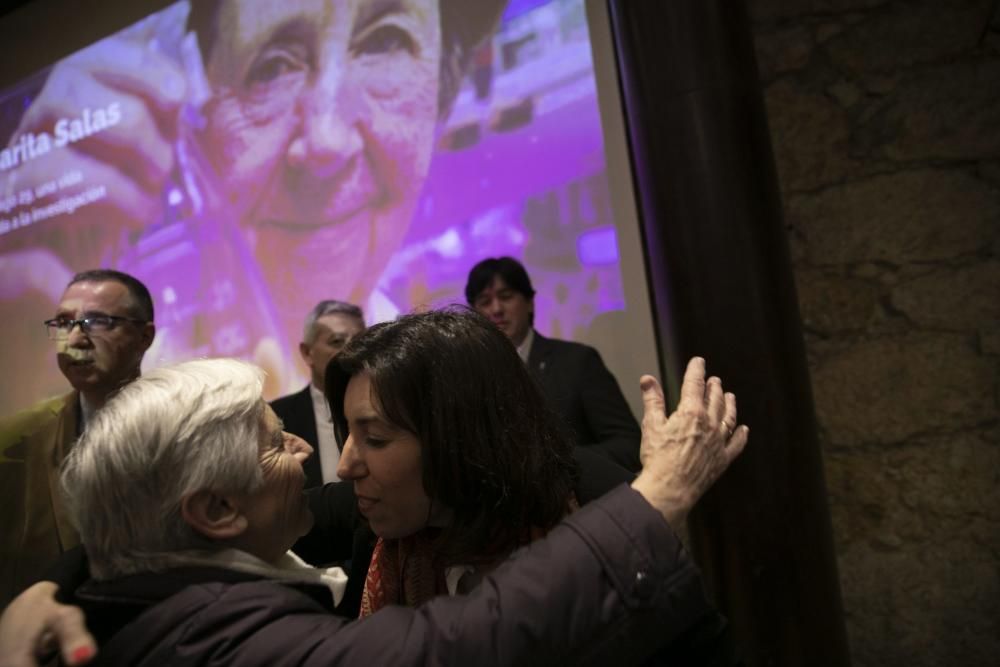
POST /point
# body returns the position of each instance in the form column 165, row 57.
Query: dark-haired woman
column 457, row 461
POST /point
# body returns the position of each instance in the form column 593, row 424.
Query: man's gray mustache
column 76, row 354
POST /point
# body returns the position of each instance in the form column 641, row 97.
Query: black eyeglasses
column 59, row 327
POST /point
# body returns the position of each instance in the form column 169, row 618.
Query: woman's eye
column 270, row 68
column 386, row 39
column 374, row 441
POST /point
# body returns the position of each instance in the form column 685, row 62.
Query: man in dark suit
column 328, row 328
column 579, row 386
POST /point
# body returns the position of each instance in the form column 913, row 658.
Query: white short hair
column 174, row 431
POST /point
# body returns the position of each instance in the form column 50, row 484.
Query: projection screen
column 248, row 159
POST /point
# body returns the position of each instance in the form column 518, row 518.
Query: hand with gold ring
column 683, row 454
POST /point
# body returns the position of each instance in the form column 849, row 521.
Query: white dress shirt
column 326, row 448
column 524, row 349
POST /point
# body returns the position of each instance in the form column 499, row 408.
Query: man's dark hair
column 462, row 30
column 510, row 271
column 491, row 449
column 141, row 306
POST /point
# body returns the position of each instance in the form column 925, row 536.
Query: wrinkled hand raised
column 684, row 454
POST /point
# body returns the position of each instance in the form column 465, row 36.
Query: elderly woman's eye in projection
column 385, row 39
column 276, row 65
column 272, row 83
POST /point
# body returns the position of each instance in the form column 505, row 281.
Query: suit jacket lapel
column 306, row 416
column 538, row 357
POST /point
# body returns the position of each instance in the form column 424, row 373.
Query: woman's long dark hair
column 492, row 450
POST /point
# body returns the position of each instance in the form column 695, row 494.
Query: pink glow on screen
column 285, row 161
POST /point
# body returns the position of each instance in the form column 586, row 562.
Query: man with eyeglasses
column 101, row 329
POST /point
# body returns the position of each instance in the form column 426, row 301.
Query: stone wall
column 885, row 121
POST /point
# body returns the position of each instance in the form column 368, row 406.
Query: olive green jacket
column 34, row 525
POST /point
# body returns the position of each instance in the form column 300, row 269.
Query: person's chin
column 379, row 527
column 510, row 331
column 80, row 374
column 305, row 224
column 390, row 530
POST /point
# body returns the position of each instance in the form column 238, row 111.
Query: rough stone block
column 948, row 112
column 909, row 33
column 917, row 534
column 769, row 10
column 780, row 51
column 966, row 298
column 912, row 607
column 846, row 93
column 990, row 171
column 835, row 304
column 917, row 216
column 989, row 342
column 890, row 390
column 809, row 133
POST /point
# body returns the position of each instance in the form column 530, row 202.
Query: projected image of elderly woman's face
column 246, row 159
column 321, row 127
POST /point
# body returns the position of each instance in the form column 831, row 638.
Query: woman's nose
column 328, row 136
column 350, row 466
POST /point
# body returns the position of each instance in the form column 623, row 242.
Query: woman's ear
column 213, row 515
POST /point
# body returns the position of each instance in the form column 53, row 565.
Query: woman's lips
column 324, row 205
column 308, row 224
column 365, row 504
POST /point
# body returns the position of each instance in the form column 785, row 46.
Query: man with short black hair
column 102, row 327
column 329, row 327
column 579, row 386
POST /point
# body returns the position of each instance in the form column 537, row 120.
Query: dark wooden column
column 721, row 283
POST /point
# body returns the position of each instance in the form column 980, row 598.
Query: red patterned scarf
column 403, row 572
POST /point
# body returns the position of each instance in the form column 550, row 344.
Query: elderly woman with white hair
column 189, row 467
column 188, row 494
